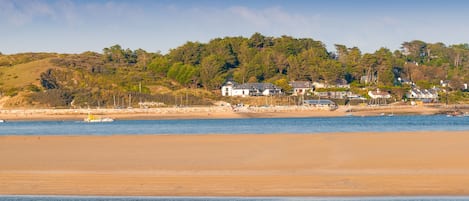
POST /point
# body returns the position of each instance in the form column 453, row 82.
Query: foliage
column 48, row 80
column 283, row 83
column 183, row 73
column 115, row 73
column 53, row 97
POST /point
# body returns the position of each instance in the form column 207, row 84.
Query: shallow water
column 239, row 126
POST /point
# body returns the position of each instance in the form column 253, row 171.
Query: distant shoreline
column 220, row 112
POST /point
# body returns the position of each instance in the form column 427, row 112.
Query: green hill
column 194, row 72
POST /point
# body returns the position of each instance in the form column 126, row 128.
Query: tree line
column 96, row 78
column 269, row 59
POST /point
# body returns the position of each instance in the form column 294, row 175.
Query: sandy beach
column 217, row 112
column 405, row 163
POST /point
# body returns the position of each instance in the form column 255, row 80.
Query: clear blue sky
column 74, row 26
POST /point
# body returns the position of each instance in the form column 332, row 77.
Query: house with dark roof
column 250, row 89
column 300, row 88
column 424, row 95
column 321, row 103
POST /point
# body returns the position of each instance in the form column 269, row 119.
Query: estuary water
column 240, row 126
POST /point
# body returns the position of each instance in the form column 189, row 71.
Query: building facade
column 250, row 89
column 300, row 88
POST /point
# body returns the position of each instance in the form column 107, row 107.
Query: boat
column 2, row 121
column 92, row 119
column 455, row 114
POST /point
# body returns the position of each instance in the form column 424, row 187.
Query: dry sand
column 217, row 112
column 407, row 163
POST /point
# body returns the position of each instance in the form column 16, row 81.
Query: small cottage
column 378, row 97
column 301, row 87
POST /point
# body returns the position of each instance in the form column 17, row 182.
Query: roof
column 259, row 86
column 300, row 84
column 341, row 82
column 319, row 102
column 379, row 94
column 424, row 93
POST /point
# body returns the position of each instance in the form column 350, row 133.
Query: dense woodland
column 194, row 72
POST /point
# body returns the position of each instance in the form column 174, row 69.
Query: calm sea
column 239, row 126
column 98, row 198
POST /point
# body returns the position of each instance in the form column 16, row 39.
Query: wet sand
column 405, row 163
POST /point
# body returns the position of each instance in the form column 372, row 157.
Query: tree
column 224, row 50
column 331, row 70
column 48, row 80
column 183, row 73
column 143, row 58
column 189, row 53
column 384, row 71
column 295, row 72
column 209, row 69
column 114, row 53
column 415, row 50
column 245, row 56
column 160, row 64
column 283, row 83
column 341, row 53
column 259, row 41
column 369, row 64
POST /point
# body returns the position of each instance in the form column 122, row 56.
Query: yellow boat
column 92, row 119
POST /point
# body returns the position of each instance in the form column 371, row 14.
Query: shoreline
column 334, row 164
column 217, row 112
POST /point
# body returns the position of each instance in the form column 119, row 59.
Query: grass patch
column 21, row 75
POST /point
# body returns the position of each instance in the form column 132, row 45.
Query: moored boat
column 92, row 119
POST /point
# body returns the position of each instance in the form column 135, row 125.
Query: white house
column 424, row 95
column 301, row 87
column 378, row 97
column 404, row 81
column 445, row 83
column 250, row 89
column 379, row 94
column 318, row 85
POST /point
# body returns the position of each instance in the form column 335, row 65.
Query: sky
column 75, row 26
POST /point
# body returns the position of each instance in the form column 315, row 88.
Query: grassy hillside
column 22, row 75
column 87, row 80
